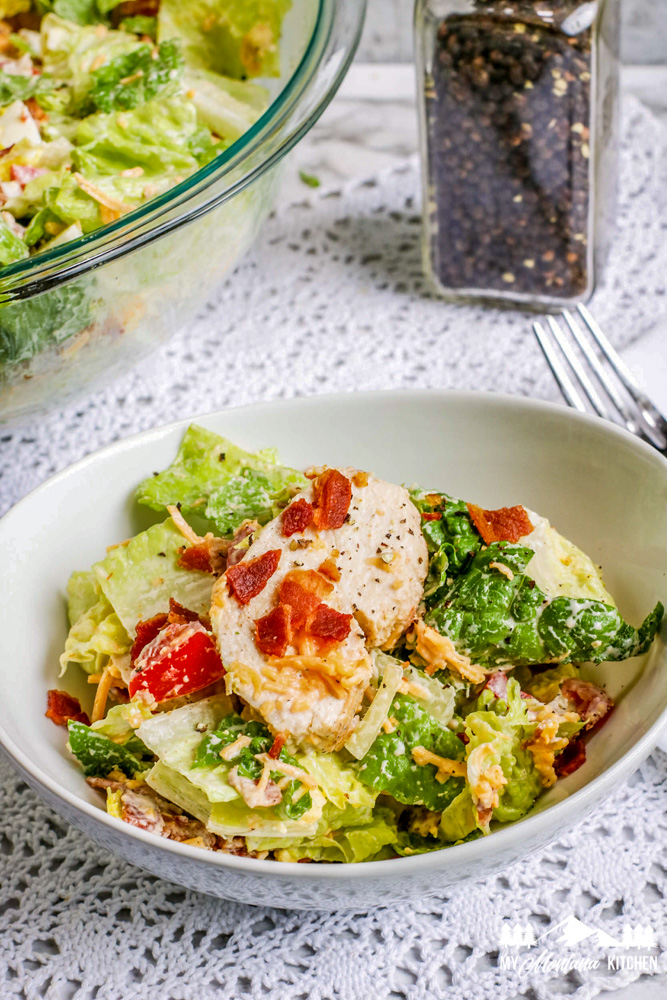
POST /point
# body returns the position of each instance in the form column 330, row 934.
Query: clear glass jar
column 519, row 129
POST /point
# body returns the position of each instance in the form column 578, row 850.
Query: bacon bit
column 196, row 557
column 302, row 590
column 39, row 114
column 360, row 479
column 329, row 569
column 508, row 524
column 571, row 758
column 273, row 632
column 465, row 739
column 146, row 632
column 178, row 615
column 24, row 174
column 433, row 516
column 497, row 683
column 296, row 517
column 248, row 578
column 61, row 707
column 134, row 8
column 237, row 550
column 332, row 496
column 329, row 624
column 588, row 700
column 279, row 742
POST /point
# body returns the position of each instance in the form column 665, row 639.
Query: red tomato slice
column 181, row 659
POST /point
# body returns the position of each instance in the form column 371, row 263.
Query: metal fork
column 592, row 365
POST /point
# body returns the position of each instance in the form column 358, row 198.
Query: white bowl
column 601, row 487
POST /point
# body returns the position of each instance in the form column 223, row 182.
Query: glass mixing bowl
column 80, row 314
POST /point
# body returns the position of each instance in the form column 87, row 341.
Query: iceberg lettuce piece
column 121, row 721
column 545, row 686
column 236, row 37
column 214, row 479
column 97, row 633
column 138, row 577
column 495, row 613
column 338, row 781
column 389, row 766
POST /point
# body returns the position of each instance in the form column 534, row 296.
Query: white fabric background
column 332, row 298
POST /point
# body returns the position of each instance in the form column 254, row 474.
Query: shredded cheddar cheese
column 446, row 768
column 439, row 653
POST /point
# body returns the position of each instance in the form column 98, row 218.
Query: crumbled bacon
column 279, row 741
column 24, row 174
column 465, row 739
column 38, row 113
column 432, row 516
column 588, row 700
column 497, row 682
column 329, row 569
column 248, row 578
column 237, row 549
column 329, row 624
column 146, row 632
column 134, row 8
column 196, row 557
column 571, row 758
column 296, row 517
column 273, row 632
column 62, row 707
column 302, row 590
column 332, row 494
column 508, row 524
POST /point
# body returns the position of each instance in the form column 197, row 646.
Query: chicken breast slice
column 380, row 558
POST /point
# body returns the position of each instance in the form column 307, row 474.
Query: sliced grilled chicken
column 370, row 566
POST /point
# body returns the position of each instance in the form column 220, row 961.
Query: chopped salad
column 325, row 666
column 105, row 104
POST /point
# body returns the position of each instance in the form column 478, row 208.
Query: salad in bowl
column 325, row 666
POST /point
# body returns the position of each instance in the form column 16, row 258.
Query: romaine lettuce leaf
column 389, row 767
column 452, row 539
column 132, row 78
column 77, row 11
column 29, row 326
column 140, row 25
column 98, row 755
column 139, row 577
column 12, row 247
column 350, row 844
column 16, row 87
column 226, row 107
column 213, row 478
column 236, row 37
column 545, row 685
column 175, row 737
column 121, row 721
column 97, row 633
column 499, row 617
column 559, row 568
column 82, row 593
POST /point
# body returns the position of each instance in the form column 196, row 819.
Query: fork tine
column 577, row 368
column 596, row 365
column 650, row 412
column 564, row 381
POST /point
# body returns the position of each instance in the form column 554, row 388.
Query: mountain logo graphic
column 571, row 931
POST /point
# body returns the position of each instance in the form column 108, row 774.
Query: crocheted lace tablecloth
column 333, row 298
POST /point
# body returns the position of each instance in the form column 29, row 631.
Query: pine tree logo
column 517, row 936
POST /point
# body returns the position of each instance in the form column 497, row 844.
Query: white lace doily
column 333, row 298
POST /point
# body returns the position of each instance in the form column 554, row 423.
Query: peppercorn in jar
column 519, row 138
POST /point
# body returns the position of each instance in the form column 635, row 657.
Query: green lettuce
column 545, row 685
column 389, row 767
column 213, row 478
column 121, row 721
column 226, row 107
column 96, row 634
column 140, row 25
column 349, row 844
column 452, row 540
column 29, row 326
column 16, row 87
column 139, row 577
column 12, row 247
column 236, row 37
column 498, row 618
column 294, row 803
column 132, row 78
column 98, row 755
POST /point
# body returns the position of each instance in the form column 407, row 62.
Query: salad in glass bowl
column 324, row 666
